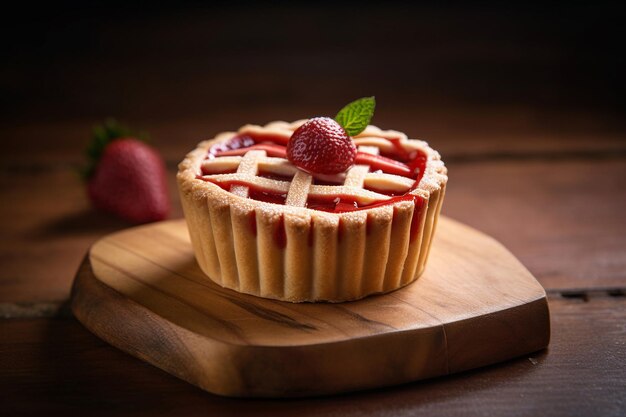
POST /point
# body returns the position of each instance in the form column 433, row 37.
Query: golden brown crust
column 327, row 256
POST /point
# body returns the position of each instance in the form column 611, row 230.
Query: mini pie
column 261, row 226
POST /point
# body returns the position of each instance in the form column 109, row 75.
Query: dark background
column 525, row 102
column 287, row 60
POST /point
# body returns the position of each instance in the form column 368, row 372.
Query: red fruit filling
column 398, row 161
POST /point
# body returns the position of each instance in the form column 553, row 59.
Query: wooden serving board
column 142, row 291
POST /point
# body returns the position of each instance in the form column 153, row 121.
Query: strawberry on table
column 126, row 177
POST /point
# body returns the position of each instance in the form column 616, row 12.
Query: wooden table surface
column 546, row 180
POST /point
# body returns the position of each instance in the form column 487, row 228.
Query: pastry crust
column 299, row 254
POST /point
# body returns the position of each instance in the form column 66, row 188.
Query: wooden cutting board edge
column 242, row 371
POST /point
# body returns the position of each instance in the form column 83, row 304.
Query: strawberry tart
column 315, row 210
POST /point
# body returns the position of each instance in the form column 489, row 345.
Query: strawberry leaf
column 355, row 117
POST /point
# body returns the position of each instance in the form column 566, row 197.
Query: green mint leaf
column 355, row 117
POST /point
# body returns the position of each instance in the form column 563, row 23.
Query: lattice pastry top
column 252, row 163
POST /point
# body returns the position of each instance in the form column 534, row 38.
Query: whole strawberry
column 323, row 145
column 127, row 177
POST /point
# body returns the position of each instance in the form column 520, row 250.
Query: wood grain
column 143, row 292
column 562, row 219
column 184, row 60
column 69, row 371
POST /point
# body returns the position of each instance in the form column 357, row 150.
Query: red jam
column 267, row 196
column 280, row 235
column 384, row 164
column 410, row 164
column 252, row 222
column 272, row 176
column 255, row 192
